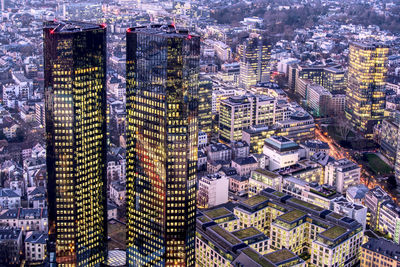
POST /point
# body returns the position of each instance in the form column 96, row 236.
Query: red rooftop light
column 189, row 37
column 128, row 30
column 103, row 25
column 52, row 31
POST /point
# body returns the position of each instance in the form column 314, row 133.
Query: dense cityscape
column 200, row 133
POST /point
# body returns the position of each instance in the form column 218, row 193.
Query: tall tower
column 162, row 99
column 255, row 56
column 75, row 108
column 365, row 96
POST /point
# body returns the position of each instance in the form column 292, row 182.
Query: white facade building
column 213, row 190
column 342, row 174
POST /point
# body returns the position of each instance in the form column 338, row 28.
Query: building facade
column 162, row 134
column 365, row 101
column 75, row 94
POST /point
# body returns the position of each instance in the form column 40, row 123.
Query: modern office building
column 75, row 100
column 162, row 109
column 342, row 174
column 255, row 55
column 365, row 101
column 205, row 105
column 281, row 151
column 238, row 113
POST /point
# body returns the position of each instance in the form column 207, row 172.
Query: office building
column 235, row 115
column 281, row 151
column 373, row 200
column 291, row 227
column 342, row 174
column 238, row 113
column 255, row 136
column 261, row 179
column 298, row 127
column 255, row 55
column 75, row 94
column 162, row 134
column 205, row 105
column 365, row 102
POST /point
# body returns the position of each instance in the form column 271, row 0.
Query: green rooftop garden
column 292, row 216
column 334, row 232
column 267, row 173
column 246, row 233
column 204, row 219
column 255, row 200
column 280, row 255
column 215, row 213
column 225, row 234
column 279, row 194
column 305, row 204
column 257, row 257
column 336, row 215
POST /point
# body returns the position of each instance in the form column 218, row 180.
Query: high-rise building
column 255, row 55
column 162, row 110
column 205, row 105
column 75, row 107
column 365, row 101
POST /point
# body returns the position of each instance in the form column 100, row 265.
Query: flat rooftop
column 292, row 216
column 71, row 26
column 225, row 235
column 216, row 213
column 246, row 233
column 334, row 232
column 255, row 200
column 162, row 30
column 280, row 256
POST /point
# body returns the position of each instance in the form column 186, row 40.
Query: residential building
column 238, row 183
column 76, row 141
column 25, row 219
column 312, row 147
column 245, row 165
column 161, row 179
column 373, row 200
column 380, row 252
column 342, row 174
column 10, row 246
column 240, row 149
column 212, row 190
column 118, row 192
column 9, row 199
column 203, row 139
column 356, row 194
column 35, row 246
column 365, row 101
column 219, row 151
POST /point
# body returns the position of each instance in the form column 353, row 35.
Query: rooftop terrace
column 334, row 232
column 253, row 201
column 246, row 233
column 216, row 213
column 292, row 216
column 280, row 256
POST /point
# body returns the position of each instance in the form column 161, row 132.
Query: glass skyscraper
column 162, row 130
column 255, row 56
column 75, row 108
column 365, row 96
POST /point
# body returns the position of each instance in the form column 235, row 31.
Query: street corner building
column 75, row 107
column 162, row 112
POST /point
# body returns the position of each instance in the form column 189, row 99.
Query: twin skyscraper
column 162, row 68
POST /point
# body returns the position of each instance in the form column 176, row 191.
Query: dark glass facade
column 75, row 91
column 205, row 105
column 162, row 130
